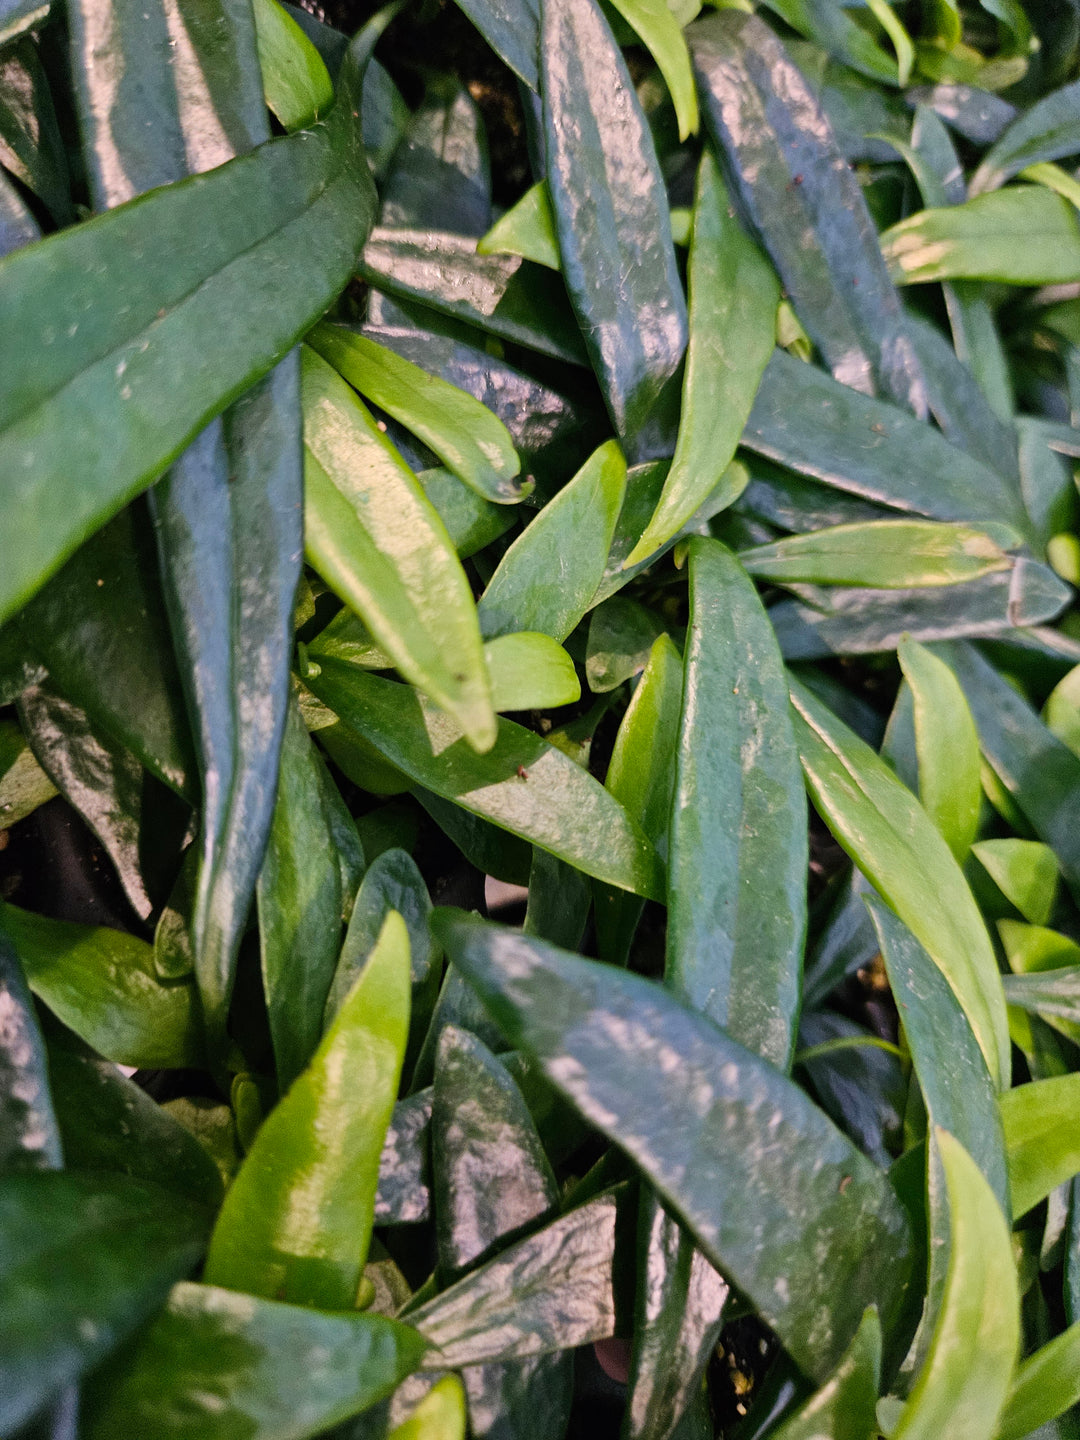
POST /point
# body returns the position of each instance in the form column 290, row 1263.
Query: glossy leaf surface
column 441, row 1414
column 961, row 1388
column 103, row 985
column 1050, row 130
column 604, row 1037
column 547, row 1292
column 733, row 298
column 548, row 577
column 324, row 1137
column 614, row 230
column 23, row 783
column 127, row 378
column 377, row 541
column 215, row 1365
column 29, row 1136
column 1040, row 1137
column 805, row 203
column 885, row 554
column 527, row 229
column 890, row 837
column 736, row 894
column 845, row 1406
column 467, row 438
column 947, row 746
column 298, row 87
column 555, row 804
column 118, row 1244
column 952, row 1073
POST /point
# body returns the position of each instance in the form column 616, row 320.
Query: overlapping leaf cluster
column 693, row 543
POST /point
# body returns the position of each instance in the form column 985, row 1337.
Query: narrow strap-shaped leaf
column 1044, row 1386
column 1022, row 235
column 17, row 224
column 290, row 1372
column 491, row 1174
column 679, row 1312
column 107, row 1123
column 733, row 298
column 300, row 906
column 836, row 30
column 103, row 985
column 227, row 516
column 738, row 1151
column 550, row 1291
column 86, row 1260
column 1039, row 772
column 955, row 1082
column 31, row 147
column 440, row 175
column 854, row 621
column 522, row 784
column 1049, row 130
column 512, row 29
column 548, row 577
column 1040, row 1137
column 607, row 195
column 947, row 746
column 660, row 32
column 501, row 294
column 18, row 16
column 736, row 891
column 845, row 1406
column 296, row 83
column 375, row 538
column 886, row 554
column 132, row 690
column 134, row 381
column 1056, row 993
column 103, row 781
column 467, row 438
column 806, row 421
column 805, row 203
column 392, row 882
column 962, row 1386
column 893, row 841
column 559, row 901
column 326, row 1135
column 29, row 1134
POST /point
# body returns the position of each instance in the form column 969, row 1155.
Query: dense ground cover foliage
column 656, row 528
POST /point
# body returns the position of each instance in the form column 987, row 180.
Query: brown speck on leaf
column 844, row 1183
column 878, row 428
column 523, row 774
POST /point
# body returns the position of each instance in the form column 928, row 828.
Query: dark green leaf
column 679, row 1312
column 737, row 876
column 215, row 1366
column 559, row 900
column 512, row 29
column 890, row 837
column 1050, row 130
column 440, row 176
column 103, row 985
column 806, row 204
column 1052, row 994
column 621, row 635
column 554, row 804
column 501, row 294
column 300, row 904
column 492, row 1177
column 487, row 848
column 548, row 1292
column 404, row 1196
column 323, row 1140
column 955, row 1082
column 1022, row 235
column 733, row 298
column 548, row 577
column 806, row 421
column 837, row 30
column 845, row 1406
column 108, row 1123
column 1038, row 771
column 29, row 1136
column 1041, row 1137
column 31, row 147
column 607, row 195
column 86, row 1260
column 749, row 1164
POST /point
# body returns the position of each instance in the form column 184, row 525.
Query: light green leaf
column 946, row 745
column 527, row 229
column 845, row 1406
column 661, row 34
column 296, row 83
column 895, row 844
column 530, row 671
column 884, row 554
column 1044, row 1386
column 1041, row 1137
column 1026, row 873
column 471, row 442
column 378, row 542
column 547, row 579
column 322, row 1144
column 961, row 1388
column 441, row 1414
